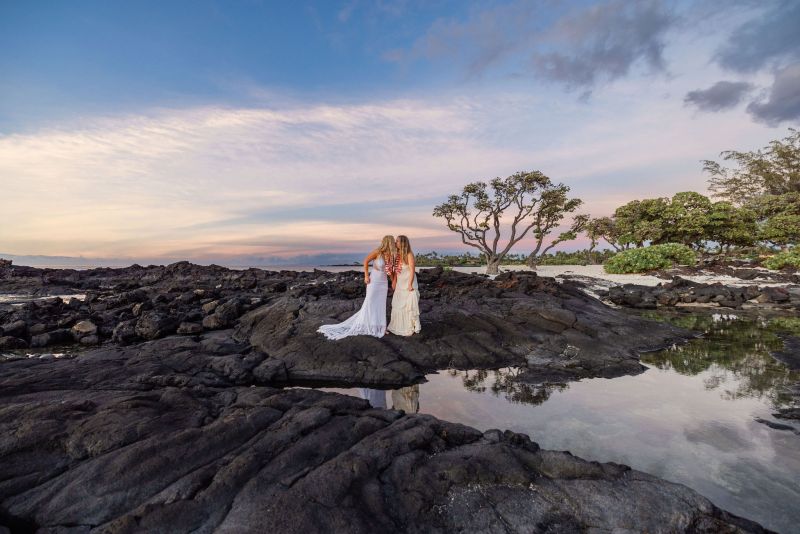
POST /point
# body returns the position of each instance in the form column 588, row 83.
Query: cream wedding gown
column 371, row 318
column 405, row 305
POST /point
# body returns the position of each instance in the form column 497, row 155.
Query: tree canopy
column 527, row 202
column 773, row 170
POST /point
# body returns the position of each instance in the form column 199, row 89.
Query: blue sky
column 223, row 130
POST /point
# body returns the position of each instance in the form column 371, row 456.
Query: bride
column 405, row 301
column 371, row 318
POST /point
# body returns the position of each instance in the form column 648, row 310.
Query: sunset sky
column 258, row 131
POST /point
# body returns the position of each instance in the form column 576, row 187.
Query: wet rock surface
column 124, row 450
column 733, row 267
column 159, row 428
column 680, row 292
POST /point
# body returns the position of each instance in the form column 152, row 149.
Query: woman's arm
column 369, row 257
column 411, row 266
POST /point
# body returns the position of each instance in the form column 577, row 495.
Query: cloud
column 720, row 96
column 483, row 40
column 579, row 49
column 230, row 179
column 604, row 42
column 783, row 101
column 312, row 178
column 774, row 36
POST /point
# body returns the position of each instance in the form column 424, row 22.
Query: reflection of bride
column 406, row 399
column 376, row 397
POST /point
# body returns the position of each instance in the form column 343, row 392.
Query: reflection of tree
column 505, row 382
column 735, row 351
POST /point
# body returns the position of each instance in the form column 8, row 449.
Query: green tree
column 731, row 226
column 773, row 170
column 640, row 221
column 605, row 228
column 684, row 219
column 544, row 228
column 779, row 219
column 532, row 201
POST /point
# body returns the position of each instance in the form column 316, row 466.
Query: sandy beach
column 597, row 272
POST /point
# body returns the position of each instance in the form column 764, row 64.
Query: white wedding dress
column 371, row 318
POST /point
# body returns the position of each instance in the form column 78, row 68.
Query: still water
column 692, row 417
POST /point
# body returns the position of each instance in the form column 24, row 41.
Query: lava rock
column 125, row 332
column 190, row 328
column 18, row 328
column 84, row 328
column 155, row 324
column 11, row 342
column 54, row 337
column 241, row 459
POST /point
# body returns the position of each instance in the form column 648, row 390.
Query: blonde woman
column 371, row 318
column 405, row 301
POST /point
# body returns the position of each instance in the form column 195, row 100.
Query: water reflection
column 734, row 355
column 696, row 417
column 406, row 399
column 504, row 382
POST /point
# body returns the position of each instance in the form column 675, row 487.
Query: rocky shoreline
column 157, row 426
column 682, row 292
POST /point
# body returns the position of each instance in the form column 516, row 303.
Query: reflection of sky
column 661, row 422
column 231, row 130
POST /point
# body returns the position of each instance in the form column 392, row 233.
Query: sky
column 249, row 131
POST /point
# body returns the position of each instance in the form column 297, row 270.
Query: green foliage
column 779, row 218
column 729, row 226
column 525, row 202
column 581, row 257
column 773, row 170
column 434, row 259
column 604, row 228
column 787, row 258
column 639, row 260
column 640, row 221
column 684, row 219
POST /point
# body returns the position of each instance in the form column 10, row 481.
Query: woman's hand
column 366, row 279
column 411, row 288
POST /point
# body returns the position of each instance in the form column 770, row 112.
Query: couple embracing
column 392, row 261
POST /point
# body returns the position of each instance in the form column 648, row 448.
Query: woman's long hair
column 387, row 250
column 403, row 248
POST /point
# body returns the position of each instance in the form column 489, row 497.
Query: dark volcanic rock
column 53, row 337
column 681, row 291
column 11, row 342
column 468, row 322
column 153, row 324
column 170, row 435
column 154, row 457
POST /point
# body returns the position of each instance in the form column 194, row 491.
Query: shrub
column 787, row 258
column 639, row 260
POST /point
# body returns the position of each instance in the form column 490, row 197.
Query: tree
column 639, row 221
column 778, row 219
column 773, row 170
column 543, row 229
column 729, row 226
column 685, row 219
column 530, row 198
column 604, row 228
